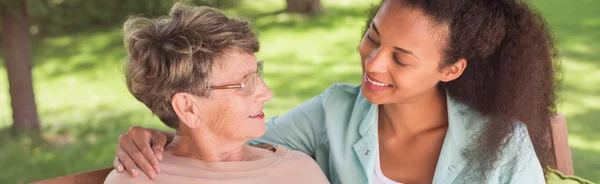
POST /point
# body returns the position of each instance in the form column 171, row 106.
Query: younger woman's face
column 400, row 53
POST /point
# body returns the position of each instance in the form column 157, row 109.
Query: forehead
column 405, row 27
column 234, row 65
column 397, row 20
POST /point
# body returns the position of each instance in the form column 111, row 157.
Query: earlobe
column 454, row 71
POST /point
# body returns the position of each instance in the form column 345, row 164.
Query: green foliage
column 84, row 105
column 52, row 17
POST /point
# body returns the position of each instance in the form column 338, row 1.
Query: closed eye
column 398, row 61
column 372, row 40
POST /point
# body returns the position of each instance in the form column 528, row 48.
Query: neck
column 426, row 113
column 205, row 146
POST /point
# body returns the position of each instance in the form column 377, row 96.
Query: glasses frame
column 254, row 75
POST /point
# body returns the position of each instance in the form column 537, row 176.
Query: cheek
column 416, row 78
column 240, row 125
column 223, row 116
column 219, row 117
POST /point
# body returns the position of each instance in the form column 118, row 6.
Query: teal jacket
column 339, row 130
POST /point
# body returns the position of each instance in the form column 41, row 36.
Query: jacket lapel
column 366, row 149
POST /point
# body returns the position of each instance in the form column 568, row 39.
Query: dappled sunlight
column 583, row 143
column 5, row 109
column 591, row 22
column 576, row 27
column 65, row 146
column 79, row 53
column 580, row 91
column 251, row 8
column 586, row 163
column 579, row 48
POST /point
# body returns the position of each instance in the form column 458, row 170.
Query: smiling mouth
column 376, row 83
column 260, row 114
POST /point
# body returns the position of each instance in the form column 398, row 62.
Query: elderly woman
column 197, row 72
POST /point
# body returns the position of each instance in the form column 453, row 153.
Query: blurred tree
column 17, row 56
column 304, row 6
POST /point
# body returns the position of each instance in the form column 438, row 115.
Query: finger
column 159, row 140
column 118, row 165
column 143, row 157
column 125, row 144
column 143, row 143
column 128, row 164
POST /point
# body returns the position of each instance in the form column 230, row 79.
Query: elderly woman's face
column 236, row 114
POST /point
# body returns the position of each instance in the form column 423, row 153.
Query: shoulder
column 335, row 95
column 343, row 89
column 518, row 144
column 344, row 97
column 300, row 157
column 340, row 92
column 303, row 166
column 295, row 159
column 125, row 178
column 519, row 161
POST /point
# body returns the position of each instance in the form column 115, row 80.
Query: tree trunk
column 17, row 57
column 304, row 6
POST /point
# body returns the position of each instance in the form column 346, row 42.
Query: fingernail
column 152, row 175
column 159, row 155
column 157, row 169
column 134, row 172
column 119, row 168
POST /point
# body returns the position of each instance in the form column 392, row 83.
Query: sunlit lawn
column 84, row 105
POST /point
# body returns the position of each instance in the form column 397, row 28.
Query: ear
column 186, row 107
column 451, row 72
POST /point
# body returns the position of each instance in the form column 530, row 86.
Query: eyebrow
column 407, row 52
column 250, row 72
column 375, row 28
column 396, row 48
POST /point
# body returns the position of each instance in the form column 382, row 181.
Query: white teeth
column 377, row 83
column 256, row 114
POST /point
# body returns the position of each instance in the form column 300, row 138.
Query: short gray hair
column 176, row 54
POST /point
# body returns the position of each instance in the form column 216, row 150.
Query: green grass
column 576, row 26
column 84, row 105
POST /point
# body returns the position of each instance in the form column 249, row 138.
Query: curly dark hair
column 512, row 73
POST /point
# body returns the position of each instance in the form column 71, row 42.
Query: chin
column 377, row 99
column 256, row 131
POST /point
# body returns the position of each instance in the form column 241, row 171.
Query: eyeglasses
column 248, row 84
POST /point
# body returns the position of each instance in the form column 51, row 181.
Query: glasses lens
column 250, row 84
column 260, row 69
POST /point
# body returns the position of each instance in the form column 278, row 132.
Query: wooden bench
column 89, row 177
column 560, row 145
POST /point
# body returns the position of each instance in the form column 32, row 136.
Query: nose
column 263, row 92
column 376, row 62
